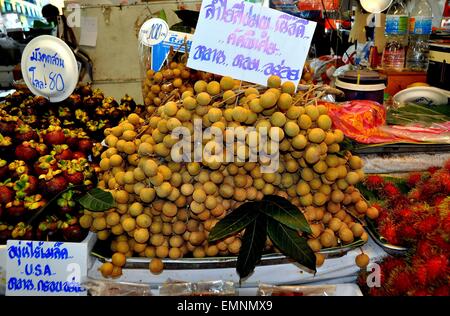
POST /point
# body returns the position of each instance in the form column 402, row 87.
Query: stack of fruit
column 35, row 166
column 167, row 209
column 86, row 111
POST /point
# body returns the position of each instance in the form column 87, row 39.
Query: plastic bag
column 111, row 288
column 209, row 288
column 361, row 121
column 436, row 133
column 295, row 290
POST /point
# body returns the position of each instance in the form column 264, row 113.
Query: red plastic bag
column 307, row 5
column 361, row 120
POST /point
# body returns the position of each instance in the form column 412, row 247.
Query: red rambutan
column 436, row 267
column 389, row 231
column 407, row 232
column 424, row 249
column 443, row 290
column 391, row 191
column 447, row 165
column 405, row 214
column 414, row 178
column 421, row 275
column 427, row 225
column 392, row 263
column 374, row 181
column 421, row 292
column 440, row 242
column 432, row 170
column 402, row 283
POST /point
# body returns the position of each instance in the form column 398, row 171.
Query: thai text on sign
column 250, row 42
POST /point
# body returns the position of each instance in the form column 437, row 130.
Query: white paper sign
column 37, row 268
column 89, row 31
column 250, row 42
column 49, row 68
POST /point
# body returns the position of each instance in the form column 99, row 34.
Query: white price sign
column 250, row 42
column 49, row 68
column 37, row 268
column 153, row 32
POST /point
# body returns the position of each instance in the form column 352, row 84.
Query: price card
column 37, row 268
column 49, row 68
column 153, row 31
column 250, row 42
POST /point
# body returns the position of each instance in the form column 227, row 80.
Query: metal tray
column 393, row 250
column 224, row 262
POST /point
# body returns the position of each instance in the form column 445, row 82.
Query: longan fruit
column 372, row 212
column 156, row 266
column 143, row 220
column 118, row 259
column 355, row 162
column 362, row 260
column 122, row 246
column 312, row 111
column 235, row 246
column 112, row 219
column 99, row 223
column 115, row 160
column 357, row 230
column 199, row 195
column 226, row 83
column 346, row 235
column 304, row 121
column 147, row 195
column 337, row 196
column 129, row 224
column 292, row 129
column 335, row 224
column 169, row 209
column 314, row 244
column 361, row 206
column 197, row 238
column 320, row 258
column 212, row 251
column 141, row 235
column 327, row 239
column 135, row 209
column 199, row 252
column 278, row 119
column 324, row 122
column 86, row 221
column 176, row 241
column 274, row 82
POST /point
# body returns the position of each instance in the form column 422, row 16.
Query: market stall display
column 221, row 187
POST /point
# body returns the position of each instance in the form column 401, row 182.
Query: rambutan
column 391, row 263
column 404, row 214
column 413, row 179
column 402, row 283
column 389, row 231
column 421, row 275
column 436, row 267
column 447, row 165
column 414, row 194
column 390, row 190
column 420, row 292
column 377, row 291
column 407, row 232
column 440, row 242
column 443, row 290
column 424, row 249
column 432, row 170
column 374, row 181
column 427, row 225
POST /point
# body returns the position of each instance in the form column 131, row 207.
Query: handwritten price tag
column 250, row 42
column 49, row 68
column 153, row 32
column 37, row 268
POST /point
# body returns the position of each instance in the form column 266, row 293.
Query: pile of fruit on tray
column 167, row 208
column 87, row 111
column 49, row 153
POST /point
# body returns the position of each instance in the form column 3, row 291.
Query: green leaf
column 284, row 212
column 97, row 200
column 253, row 243
column 369, row 195
column 162, row 15
column 291, row 244
column 234, row 222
